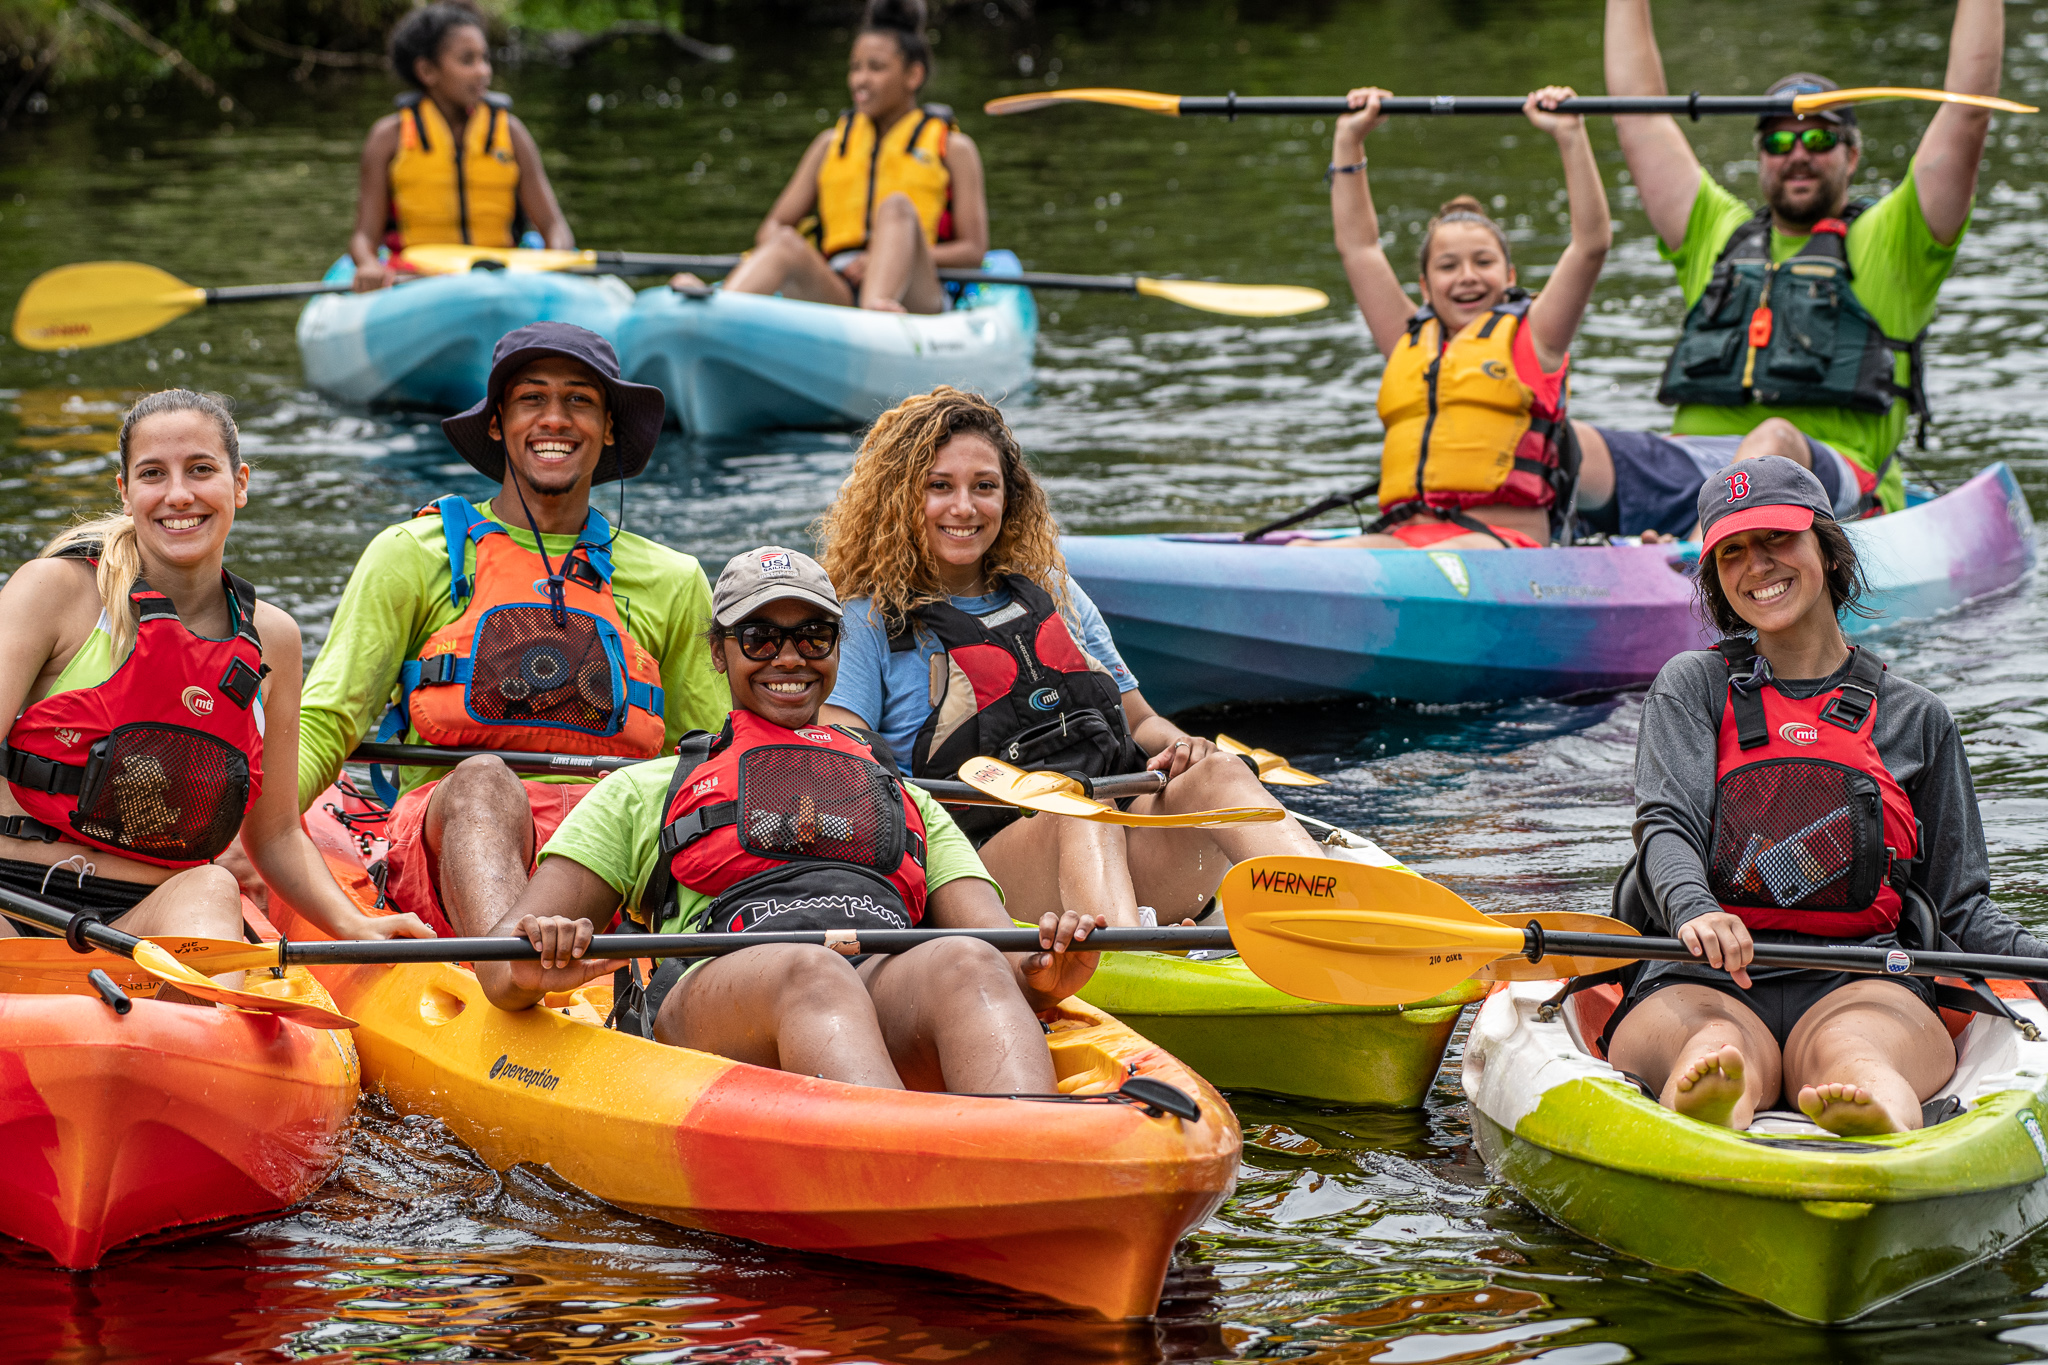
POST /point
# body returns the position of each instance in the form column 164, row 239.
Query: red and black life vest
column 160, row 762
column 788, row 829
column 1809, row 825
column 1015, row 685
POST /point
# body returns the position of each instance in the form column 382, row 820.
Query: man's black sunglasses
column 762, row 640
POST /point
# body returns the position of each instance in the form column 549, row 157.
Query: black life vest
column 1790, row 334
column 1809, row 825
column 788, row 829
column 1015, row 685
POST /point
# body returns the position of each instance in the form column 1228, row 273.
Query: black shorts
column 1781, row 999
column 1657, row 480
column 68, row 889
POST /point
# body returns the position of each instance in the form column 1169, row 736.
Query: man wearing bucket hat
column 1766, row 363
column 522, row 622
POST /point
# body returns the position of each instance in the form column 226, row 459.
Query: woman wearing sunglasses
column 780, row 822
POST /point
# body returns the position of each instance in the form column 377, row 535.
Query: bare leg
column 900, row 275
column 1866, row 1057
column 788, row 1006
column 1049, row 863
column 1706, row 1054
column 1772, row 436
column 1177, row 870
column 479, row 832
column 955, row 1021
column 787, row 264
column 204, row 902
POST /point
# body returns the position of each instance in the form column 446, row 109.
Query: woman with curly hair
column 964, row 635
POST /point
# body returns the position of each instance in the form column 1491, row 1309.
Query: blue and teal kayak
column 427, row 343
column 1205, row 619
column 734, row 363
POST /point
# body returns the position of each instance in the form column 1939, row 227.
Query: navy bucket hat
column 636, row 409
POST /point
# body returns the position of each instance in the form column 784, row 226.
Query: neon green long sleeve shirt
column 398, row 596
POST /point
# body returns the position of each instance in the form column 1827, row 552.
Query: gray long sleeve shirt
column 1918, row 742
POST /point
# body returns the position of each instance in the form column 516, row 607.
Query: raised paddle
column 102, row 302
column 1207, row 296
column 1694, row 106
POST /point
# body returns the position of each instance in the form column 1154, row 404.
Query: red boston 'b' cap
column 1768, row 493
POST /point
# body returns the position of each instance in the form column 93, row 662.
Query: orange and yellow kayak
column 173, row 1118
column 1079, row 1197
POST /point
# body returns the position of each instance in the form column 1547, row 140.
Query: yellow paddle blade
column 164, row 967
column 1553, row 968
column 1830, row 99
column 1352, row 934
column 1145, row 100
column 1236, row 300
column 99, row 303
column 1055, row 794
column 217, row 955
column 1274, row 770
column 451, row 259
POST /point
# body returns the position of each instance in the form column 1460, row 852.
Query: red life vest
column 1015, row 685
column 789, row 829
column 517, row 671
column 160, row 762
column 1808, row 822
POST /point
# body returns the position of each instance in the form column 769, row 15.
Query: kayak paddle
column 1694, row 106
column 1207, row 296
column 102, row 302
column 1059, row 794
column 1272, row 769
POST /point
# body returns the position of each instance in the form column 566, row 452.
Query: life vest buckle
column 1849, row 714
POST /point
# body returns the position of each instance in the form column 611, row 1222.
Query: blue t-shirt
column 893, row 692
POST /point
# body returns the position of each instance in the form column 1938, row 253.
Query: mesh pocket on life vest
column 163, row 791
column 819, row 804
column 525, row 668
column 1797, row 832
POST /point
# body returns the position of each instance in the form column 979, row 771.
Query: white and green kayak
column 1238, row 1033
column 1824, row 1227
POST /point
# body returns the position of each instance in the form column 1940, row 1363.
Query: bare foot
column 1849, row 1110
column 1710, row 1088
column 884, row 305
column 1658, row 538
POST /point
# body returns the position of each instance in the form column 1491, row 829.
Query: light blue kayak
column 1204, row 619
column 734, row 363
column 427, row 344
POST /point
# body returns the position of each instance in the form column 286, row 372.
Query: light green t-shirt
column 616, row 833
column 398, row 596
column 1898, row 268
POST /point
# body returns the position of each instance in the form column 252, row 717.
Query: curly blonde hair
column 872, row 539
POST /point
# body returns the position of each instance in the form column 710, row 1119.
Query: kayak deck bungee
column 732, row 363
column 426, row 343
column 1205, row 619
column 1825, row 1228
column 1079, row 1202
column 170, row 1119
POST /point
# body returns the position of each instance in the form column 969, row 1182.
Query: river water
column 1353, row 1236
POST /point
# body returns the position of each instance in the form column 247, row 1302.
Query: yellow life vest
column 445, row 189
column 861, row 170
column 1464, row 427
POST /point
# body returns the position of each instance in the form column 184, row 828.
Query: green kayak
column 1826, row 1228
column 1238, row 1033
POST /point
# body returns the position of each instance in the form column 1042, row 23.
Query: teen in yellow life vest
column 1478, row 452
column 453, row 165
column 895, row 188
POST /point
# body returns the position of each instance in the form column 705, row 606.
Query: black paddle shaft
column 82, row 932
column 1694, row 106
column 661, row 263
column 619, row 946
column 257, row 293
column 1847, row 958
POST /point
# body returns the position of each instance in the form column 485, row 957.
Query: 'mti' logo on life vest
column 1798, row 732
column 815, row 736
column 1738, row 485
column 67, row 738
column 1046, row 699
column 198, row 701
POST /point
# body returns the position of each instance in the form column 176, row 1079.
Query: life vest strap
column 685, row 830
column 24, row 769
column 461, row 523
column 35, row 831
column 1752, row 731
column 453, row 669
column 1851, row 705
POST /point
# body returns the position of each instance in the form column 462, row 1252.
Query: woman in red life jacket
column 1791, row 790
column 152, row 694
column 782, row 822
column 965, row 637
column 894, row 186
column 1478, row 452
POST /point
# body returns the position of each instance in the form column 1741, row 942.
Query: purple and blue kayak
column 1204, row 619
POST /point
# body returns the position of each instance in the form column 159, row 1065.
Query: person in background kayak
column 1791, row 790
column 895, row 187
column 1755, row 375
column 964, row 636
column 523, row 622
column 150, row 692
column 1473, row 398
column 780, row 822
column 423, row 180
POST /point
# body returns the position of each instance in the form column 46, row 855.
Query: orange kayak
column 1078, row 1197
column 171, row 1119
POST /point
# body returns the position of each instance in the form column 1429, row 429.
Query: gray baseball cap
column 1770, row 492
column 767, row 574
column 1806, row 83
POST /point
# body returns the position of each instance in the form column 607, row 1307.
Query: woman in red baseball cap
column 1790, row 790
